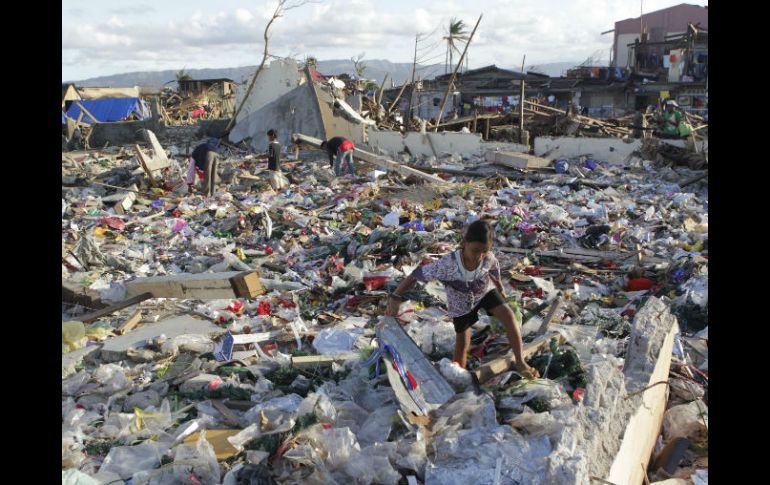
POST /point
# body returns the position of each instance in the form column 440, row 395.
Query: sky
column 109, row 37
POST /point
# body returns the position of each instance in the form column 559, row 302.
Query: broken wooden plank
column 205, row 286
column 146, row 163
column 432, row 391
column 128, row 200
column 93, row 316
column 77, row 294
column 516, row 160
column 503, row 364
column 310, row 361
column 130, row 323
column 548, row 316
column 644, row 427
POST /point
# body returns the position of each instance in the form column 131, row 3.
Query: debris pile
column 240, row 338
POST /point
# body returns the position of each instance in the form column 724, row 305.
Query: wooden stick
column 130, row 323
column 454, row 74
column 548, row 316
column 93, row 316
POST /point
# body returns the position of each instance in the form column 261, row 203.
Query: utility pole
column 408, row 117
column 454, row 73
column 521, row 103
column 641, row 21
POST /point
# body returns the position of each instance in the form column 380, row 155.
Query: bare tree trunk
column 277, row 13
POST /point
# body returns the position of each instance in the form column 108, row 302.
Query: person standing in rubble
column 273, row 156
column 339, row 150
column 203, row 164
column 471, row 276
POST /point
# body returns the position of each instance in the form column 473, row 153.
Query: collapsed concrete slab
column 116, row 348
column 516, row 160
column 309, row 108
column 611, row 150
column 426, row 144
column 275, row 80
column 613, row 433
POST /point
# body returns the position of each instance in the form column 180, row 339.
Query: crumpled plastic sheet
column 288, row 405
column 125, row 461
column 457, row 377
column 466, row 410
column 475, row 456
column 377, row 426
column 76, row 477
column 335, row 341
column 537, row 424
column 199, row 460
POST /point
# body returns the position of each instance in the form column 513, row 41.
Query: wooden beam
column 93, row 316
column 83, row 109
column 548, row 316
column 145, row 162
column 644, row 427
column 503, row 364
column 371, row 158
column 130, row 323
column 230, row 284
column 310, row 361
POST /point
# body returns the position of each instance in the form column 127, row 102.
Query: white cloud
column 544, row 30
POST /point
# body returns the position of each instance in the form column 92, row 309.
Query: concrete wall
column 275, row 80
column 122, row 132
column 420, row 145
column 612, row 150
column 294, row 112
column 621, row 59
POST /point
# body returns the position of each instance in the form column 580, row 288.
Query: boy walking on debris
column 343, row 149
column 203, row 163
column 471, row 276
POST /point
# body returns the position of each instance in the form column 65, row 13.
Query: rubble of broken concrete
column 224, row 339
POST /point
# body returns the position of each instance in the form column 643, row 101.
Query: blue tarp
column 110, row 109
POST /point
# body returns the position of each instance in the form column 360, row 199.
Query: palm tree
column 456, row 33
column 183, row 75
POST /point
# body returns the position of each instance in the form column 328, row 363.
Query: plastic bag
column 200, row 461
column 377, row 426
column 285, row 404
column 195, row 343
column 392, row 219
column 127, row 460
column 335, row 341
column 73, row 384
column 537, row 424
column 76, row 477
column 73, row 336
column 457, row 377
column 112, row 378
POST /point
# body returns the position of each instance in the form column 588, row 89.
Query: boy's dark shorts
column 491, row 300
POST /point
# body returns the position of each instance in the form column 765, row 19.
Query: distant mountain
column 553, row 69
column 376, row 69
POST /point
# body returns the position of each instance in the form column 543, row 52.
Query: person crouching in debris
column 342, row 148
column 471, row 276
column 203, row 163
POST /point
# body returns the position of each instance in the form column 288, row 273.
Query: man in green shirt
column 671, row 119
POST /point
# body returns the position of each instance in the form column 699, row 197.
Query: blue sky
column 113, row 36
